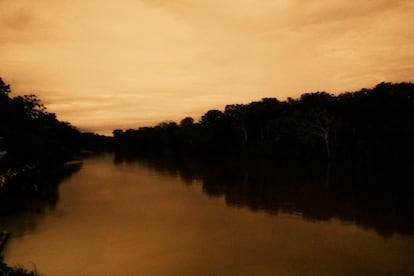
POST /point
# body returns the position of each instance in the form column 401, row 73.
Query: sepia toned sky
column 129, row 63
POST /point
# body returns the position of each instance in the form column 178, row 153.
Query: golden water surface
column 130, row 219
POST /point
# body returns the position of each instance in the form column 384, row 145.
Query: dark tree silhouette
column 363, row 126
column 4, row 90
column 31, row 139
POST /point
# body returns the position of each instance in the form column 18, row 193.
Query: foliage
column 6, row 270
column 4, row 90
column 30, row 139
column 366, row 125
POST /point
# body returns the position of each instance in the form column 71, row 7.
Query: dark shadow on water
column 26, row 210
column 379, row 197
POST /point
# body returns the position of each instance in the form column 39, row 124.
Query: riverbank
column 6, row 270
column 15, row 202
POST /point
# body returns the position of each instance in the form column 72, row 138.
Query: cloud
column 95, row 62
column 311, row 12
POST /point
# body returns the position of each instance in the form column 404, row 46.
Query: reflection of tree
column 371, row 197
column 34, row 146
column 28, row 210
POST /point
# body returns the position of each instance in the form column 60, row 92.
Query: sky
column 102, row 65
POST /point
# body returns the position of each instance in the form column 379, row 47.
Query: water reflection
column 376, row 197
column 20, row 214
column 150, row 217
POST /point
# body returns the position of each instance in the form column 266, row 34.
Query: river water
column 140, row 218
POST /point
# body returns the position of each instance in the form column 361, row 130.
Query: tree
column 4, row 90
column 237, row 114
column 187, row 122
column 320, row 125
column 31, row 105
column 117, row 133
column 212, row 117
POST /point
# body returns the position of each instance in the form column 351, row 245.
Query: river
column 144, row 218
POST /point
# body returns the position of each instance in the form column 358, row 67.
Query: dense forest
column 346, row 156
column 34, row 147
column 362, row 126
column 33, row 140
column 330, row 155
column 30, row 138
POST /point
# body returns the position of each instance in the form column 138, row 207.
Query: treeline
column 34, row 146
column 364, row 125
column 31, row 139
column 31, row 135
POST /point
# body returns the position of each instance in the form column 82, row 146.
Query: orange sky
column 129, row 63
